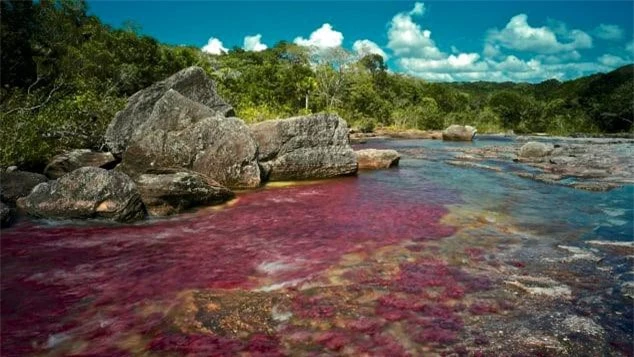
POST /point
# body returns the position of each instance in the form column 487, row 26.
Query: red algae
column 88, row 282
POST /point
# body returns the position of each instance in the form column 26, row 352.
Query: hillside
column 65, row 75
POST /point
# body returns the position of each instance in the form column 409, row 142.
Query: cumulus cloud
column 254, row 43
column 491, row 50
column 366, row 47
column 322, row 38
column 514, row 69
column 560, row 57
column 519, row 35
column 418, row 10
column 629, row 47
column 611, row 60
column 408, row 39
column 608, row 32
column 214, row 46
column 464, row 62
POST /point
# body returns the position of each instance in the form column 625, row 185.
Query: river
column 423, row 259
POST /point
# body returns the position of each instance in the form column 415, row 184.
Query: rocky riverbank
column 587, row 164
column 178, row 145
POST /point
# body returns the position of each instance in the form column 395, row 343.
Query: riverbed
column 423, row 259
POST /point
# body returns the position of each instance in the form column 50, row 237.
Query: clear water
column 405, row 261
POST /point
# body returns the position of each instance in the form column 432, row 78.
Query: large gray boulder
column 169, row 192
column 372, row 159
column 459, row 133
column 88, row 192
column 306, row 147
column 535, row 150
column 16, row 184
column 181, row 133
column 191, row 82
column 70, row 161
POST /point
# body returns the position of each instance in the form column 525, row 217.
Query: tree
column 17, row 65
column 331, row 66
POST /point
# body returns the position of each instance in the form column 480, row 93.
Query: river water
column 423, row 259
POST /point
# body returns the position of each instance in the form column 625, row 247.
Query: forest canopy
column 64, row 75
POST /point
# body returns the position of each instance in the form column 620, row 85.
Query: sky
column 441, row 41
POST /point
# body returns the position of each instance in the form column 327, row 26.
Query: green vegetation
column 65, row 74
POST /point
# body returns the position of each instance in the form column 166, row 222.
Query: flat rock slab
column 410, row 133
column 306, row 147
column 168, row 193
column 372, row 159
column 88, row 192
column 594, row 165
column 62, row 164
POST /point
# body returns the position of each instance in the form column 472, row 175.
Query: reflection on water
column 426, row 258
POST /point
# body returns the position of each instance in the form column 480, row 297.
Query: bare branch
column 28, row 91
column 50, row 95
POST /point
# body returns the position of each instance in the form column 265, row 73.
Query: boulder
column 191, row 82
column 459, row 133
column 88, row 192
column 534, row 149
column 6, row 215
column 62, row 164
column 376, row 159
column 181, row 133
column 169, row 192
column 16, row 184
column 305, row 147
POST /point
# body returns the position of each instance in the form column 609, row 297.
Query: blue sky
column 436, row 40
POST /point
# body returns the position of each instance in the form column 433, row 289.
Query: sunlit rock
column 191, row 82
column 312, row 146
column 459, row 133
column 181, row 133
column 371, row 159
column 534, row 149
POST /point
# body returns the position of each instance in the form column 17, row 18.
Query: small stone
column 534, row 149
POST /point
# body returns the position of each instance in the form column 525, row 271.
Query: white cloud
column 464, row 62
column 323, row 37
column 467, row 67
column 629, row 47
column 514, row 64
column 491, row 50
column 408, row 39
column 608, row 32
column 611, row 60
column 214, row 46
column 560, row 57
column 366, row 47
column 519, row 35
column 418, row 10
column 253, row 43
